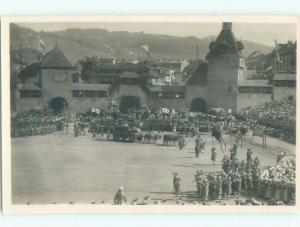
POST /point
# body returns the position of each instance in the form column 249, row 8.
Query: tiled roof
column 29, row 71
column 225, row 44
column 55, row 58
column 29, row 87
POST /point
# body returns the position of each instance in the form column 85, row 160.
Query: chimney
column 227, row 26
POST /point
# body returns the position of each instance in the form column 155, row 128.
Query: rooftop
column 225, row 43
column 29, row 87
column 55, row 58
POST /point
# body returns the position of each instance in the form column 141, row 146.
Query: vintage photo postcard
column 149, row 114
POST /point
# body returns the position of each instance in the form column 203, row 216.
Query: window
column 244, row 89
column 31, row 94
column 101, row 93
column 90, row 94
column 266, row 90
column 168, row 95
column 291, row 83
column 75, row 78
column 256, row 90
column 77, row 93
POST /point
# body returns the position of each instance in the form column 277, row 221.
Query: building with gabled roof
column 55, row 59
column 217, row 82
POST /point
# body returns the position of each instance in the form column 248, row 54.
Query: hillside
column 78, row 43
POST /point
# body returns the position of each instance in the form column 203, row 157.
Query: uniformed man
column 181, row 142
column 249, row 155
column 120, row 197
column 198, row 179
column 213, row 155
column 205, row 186
column 219, row 183
column 176, row 184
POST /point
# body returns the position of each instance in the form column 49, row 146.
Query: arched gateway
column 198, row 105
column 58, row 104
column 129, row 102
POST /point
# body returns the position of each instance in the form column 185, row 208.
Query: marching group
column 246, row 179
column 36, row 122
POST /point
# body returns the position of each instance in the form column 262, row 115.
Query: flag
column 217, row 134
column 146, row 49
column 277, row 53
column 42, row 44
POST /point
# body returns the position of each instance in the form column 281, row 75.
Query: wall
column 81, row 104
column 52, row 87
column 196, row 92
column 129, row 90
column 24, row 104
column 283, row 92
column 250, row 100
column 222, row 77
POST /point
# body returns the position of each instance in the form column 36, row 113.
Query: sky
column 264, row 33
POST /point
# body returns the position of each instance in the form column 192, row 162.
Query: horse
column 171, row 138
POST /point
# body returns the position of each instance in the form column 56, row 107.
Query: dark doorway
column 58, row 104
column 129, row 103
column 198, row 105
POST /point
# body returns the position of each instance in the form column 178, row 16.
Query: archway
column 198, row 105
column 129, row 102
column 58, row 104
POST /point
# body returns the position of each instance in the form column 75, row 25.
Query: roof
column 55, row 58
column 29, row 71
column 164, row 88
column 254, row 83
column 286, row 48
column 225, row 43
column 92, row 87
column 285, row 76
column 129, row 75
column 29, row 87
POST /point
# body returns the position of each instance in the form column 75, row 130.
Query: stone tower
column 225, row 67
column 56, row 78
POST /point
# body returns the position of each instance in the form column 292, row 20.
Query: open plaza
column 61, row 168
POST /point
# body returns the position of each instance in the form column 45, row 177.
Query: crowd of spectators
column 278, row 118
column 36, row 122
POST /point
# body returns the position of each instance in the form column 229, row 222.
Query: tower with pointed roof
column 56, row 75
column 225, row 67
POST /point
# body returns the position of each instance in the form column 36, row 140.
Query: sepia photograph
column 119, row 114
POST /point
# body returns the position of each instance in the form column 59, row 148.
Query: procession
column 240, row 179
column 129, row 121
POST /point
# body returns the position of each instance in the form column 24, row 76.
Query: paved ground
column 61, row 168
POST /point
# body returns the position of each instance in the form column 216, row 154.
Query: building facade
column 217, row 82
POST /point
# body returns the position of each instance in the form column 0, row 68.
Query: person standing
column 219, row 183
column 213, row 155
column 181, row 142
column 176, row 184
column 120, row 197
column 249, row 155
column 197, row 146
column 205, row 187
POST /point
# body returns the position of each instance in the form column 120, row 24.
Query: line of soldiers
column 34, row 122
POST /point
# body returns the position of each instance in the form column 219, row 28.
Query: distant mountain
column 78, row 43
